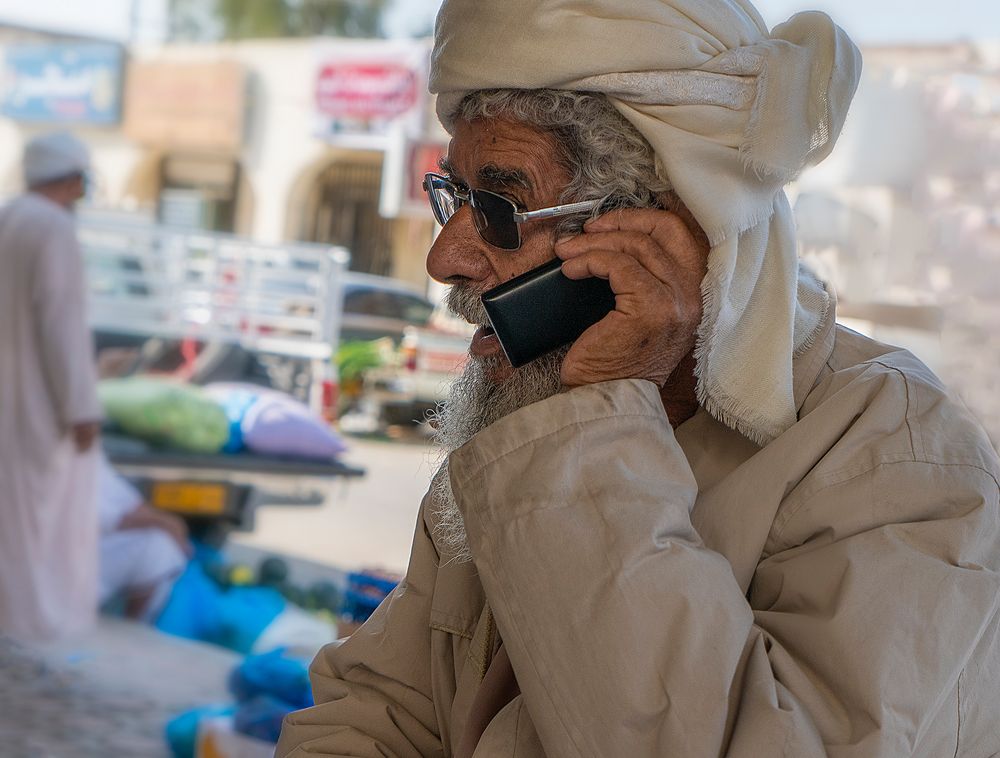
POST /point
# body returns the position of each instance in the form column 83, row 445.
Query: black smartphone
column 543, row 309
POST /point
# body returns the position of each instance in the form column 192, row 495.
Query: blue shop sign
column 62, row 83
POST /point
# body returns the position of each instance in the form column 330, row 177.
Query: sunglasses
column 497, row 218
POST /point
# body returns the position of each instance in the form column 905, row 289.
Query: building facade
column 288, row 140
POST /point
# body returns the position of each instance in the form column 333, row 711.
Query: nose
column 457, row 254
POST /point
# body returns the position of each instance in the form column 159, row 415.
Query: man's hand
column 85, row 434
column 655, row 265
column 148, row 517
column 178, row 530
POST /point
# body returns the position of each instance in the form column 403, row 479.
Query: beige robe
column 48, row 516
column 688, row 594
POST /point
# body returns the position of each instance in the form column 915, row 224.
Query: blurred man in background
column 142, row 549
column 49, row 411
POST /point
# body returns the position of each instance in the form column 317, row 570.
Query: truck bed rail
column 154, row 280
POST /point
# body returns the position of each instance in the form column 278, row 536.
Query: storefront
column 190, row 118
column 276, row 140
column 368, row 98
column 343, row 209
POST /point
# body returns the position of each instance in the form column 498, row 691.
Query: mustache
column 466, row 302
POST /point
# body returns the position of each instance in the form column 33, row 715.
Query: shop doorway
column 199, row 192
column 343, row 210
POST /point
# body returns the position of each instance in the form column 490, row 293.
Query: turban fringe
column 732, row 113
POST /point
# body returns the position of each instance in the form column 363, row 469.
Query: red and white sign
column 366, row 91
column 422, row 158
column 406, row 162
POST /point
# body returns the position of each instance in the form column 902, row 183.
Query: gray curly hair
column 607, row 158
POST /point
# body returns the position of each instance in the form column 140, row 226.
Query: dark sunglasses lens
column 494, row 217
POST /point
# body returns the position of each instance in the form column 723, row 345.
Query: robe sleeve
column 64, row 338
column 373, row 690
column 117, row 497
column 628, row 636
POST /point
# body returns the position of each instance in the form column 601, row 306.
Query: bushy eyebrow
column 490, row 176
column 498, row 178
column 448, row 170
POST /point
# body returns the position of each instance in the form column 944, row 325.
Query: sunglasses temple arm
column 557, row 210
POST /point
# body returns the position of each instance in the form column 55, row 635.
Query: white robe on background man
column 144, row 559
column 48, row 513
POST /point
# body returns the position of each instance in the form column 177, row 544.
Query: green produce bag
column 165, row 413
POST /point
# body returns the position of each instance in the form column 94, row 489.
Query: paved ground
column 367, row 522
column 105, row 694
column 110, row 692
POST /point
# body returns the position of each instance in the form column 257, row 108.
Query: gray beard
column 474, row 403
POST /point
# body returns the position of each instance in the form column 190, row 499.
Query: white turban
column 54, row 156
column 732, row 112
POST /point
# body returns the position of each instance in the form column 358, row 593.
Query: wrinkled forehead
column 503, row 154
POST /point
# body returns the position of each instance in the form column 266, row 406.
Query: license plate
column 189, row 498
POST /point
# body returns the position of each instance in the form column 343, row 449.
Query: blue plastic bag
column 192, row 609
column 235, row 401
column 275, row 674
column 199, row 609
column 365, row 592
column 261, row 717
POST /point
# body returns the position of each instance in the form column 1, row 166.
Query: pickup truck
column 213, row 307
column 419, row 374
column 218, row 294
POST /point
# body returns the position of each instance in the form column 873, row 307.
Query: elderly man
column 48, row 404
column 717, row 524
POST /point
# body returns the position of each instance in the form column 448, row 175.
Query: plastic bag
column 165, row 413
column 275, row 674
column 269, row 422
column 280, row 425
column 234, row 618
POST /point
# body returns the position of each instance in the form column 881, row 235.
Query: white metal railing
column 154, row 280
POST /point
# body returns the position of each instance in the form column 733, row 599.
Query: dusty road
column 366, row 522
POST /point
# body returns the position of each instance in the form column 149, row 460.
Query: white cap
column 53, row 156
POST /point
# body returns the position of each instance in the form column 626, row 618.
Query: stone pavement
column 108, row 694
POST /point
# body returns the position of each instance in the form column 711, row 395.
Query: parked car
column 377, row 306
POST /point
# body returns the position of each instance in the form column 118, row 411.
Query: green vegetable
column 353, row 359
column 165, row 413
